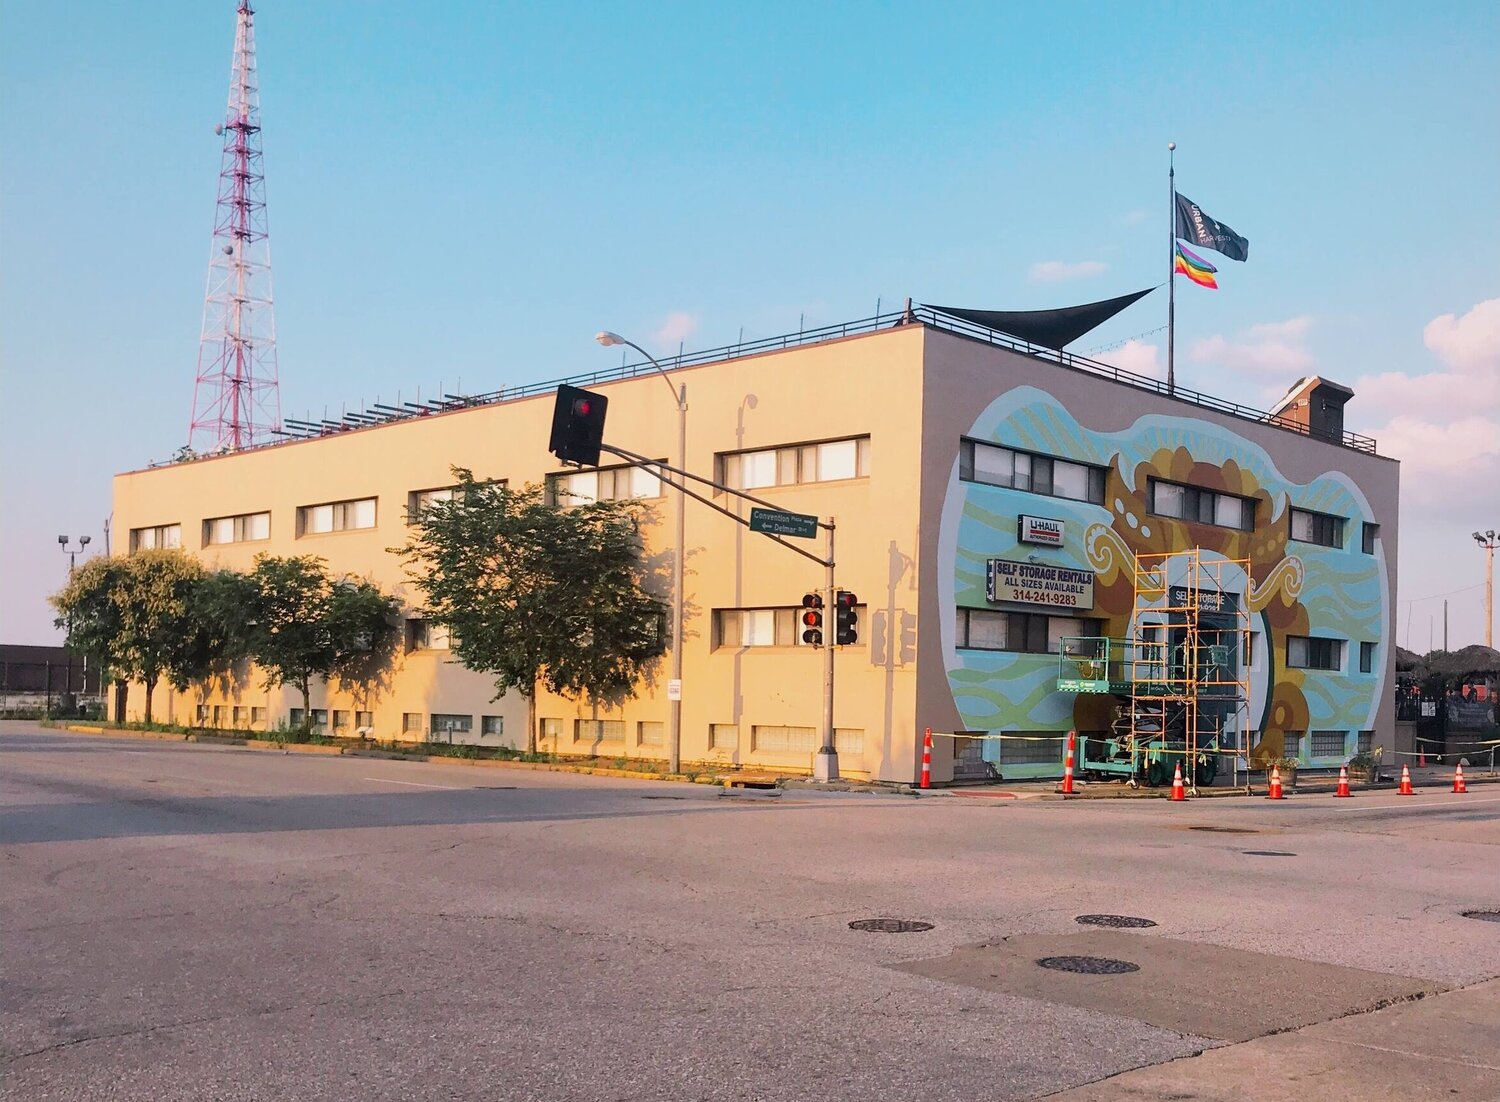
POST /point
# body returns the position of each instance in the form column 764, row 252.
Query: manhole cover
column 1123, row 922
column 889, row 925
column 1089, row 966
column 1225, row 830
column 1267, row 853
column 1483, row 916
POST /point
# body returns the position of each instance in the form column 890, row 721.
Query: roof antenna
column 907, row 317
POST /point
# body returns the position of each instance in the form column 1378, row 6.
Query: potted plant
column 1366, row 766
column 1288, row 768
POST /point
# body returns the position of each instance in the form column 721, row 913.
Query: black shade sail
column 1049, row 328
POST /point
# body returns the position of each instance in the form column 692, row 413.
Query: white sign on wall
column 1038, row 584
column 1041, row 530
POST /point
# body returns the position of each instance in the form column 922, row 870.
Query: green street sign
column 773, row 522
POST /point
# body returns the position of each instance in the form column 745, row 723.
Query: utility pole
column 1487, row 541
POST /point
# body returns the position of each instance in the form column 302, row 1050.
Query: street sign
column 773, row 522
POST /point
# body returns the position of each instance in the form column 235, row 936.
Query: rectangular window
column 257, row 717
column 341, row 721
column 447, row 724
column 295, row 719
column 551, row 729
column 364, row 722
column 599, row 730
column 602, row 484
column 221, row 715
column 492, row 725
column 336, row 516
column 1037, row 474
column 163, row 535
column 1327, row 744
column 1368, row 535
column 831, row 461
column 319, row 719
column 1196, row 505
column 1291, row 745
column 418, row 500
column 1309, row 527
column 783, row 740
column 1026, row 632
column 425, row 635
column 849, row 740
column 241, row 714
column 245, row 528
column 1367, row 658
column 1035, row 748
column 411, row 723
column 1305, row 653
column 650, row 733
column 767, row 627
column 723, row 736
column 1366, row 742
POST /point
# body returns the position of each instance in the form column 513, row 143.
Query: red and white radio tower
column 235, row 402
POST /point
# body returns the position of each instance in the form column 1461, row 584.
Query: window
column 833, row 461
column 785, row 740
column 1366, row 657
column 425, row 635
column 1199, row 506
column 295, row 718
column 1027, row 632
column 221, row 715
column 418, row 500
column 723, row 736
column 319, row 718
column 599, row 730
column 650, row 733
column 244, row 528
column 1036, row 748
column 337, row 516
column 340, row 720
column 163, row 535
column 1291, row 745
column 448, row 724
column 492, row 725
column 1317, row 528
column 552, row 729
column 766, row 627
column 1366, row 742
column 240, row 715
column 603, row 484
column 1327, row 744
column 1038, row 474
column 849, row 740
column 411, row 723
column 257, row 717
column 1369, row 533
column 1304, row 653
column 364, row 721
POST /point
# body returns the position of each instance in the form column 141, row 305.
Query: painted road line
column 418, row 784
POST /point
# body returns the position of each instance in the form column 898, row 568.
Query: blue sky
column 469, row 191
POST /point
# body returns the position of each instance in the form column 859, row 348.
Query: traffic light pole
column 826, row 764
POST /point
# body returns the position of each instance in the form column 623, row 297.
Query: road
column 190, row 922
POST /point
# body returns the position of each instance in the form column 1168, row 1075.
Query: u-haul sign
column 1043, row 531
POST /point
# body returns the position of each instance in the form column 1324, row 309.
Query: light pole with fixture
column 72, row 553
column 674, row 687
column 1487, row 541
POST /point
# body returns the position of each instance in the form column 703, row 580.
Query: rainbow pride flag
column 1195, row 268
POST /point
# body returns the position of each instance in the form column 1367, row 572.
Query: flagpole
column 1172, row 270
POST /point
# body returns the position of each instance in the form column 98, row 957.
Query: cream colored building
column 913, row 438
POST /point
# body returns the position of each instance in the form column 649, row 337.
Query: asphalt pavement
column 190, row 922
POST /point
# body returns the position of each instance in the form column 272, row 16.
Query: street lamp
column 72, row 553
column 674, row 690
column 1487, row 541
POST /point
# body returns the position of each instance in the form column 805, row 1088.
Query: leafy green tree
column 133, row 612
column 215, row 635
column 538, row 595
column 306, row 623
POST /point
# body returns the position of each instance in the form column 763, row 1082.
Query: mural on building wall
column 1294, row 588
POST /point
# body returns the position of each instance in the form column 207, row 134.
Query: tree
column 215, row 635
column 538, row 595
column 133, row 612
column 307, row 623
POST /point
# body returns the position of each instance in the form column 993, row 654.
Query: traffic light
column 812, row 619
column 577, row 425
column 845, row 619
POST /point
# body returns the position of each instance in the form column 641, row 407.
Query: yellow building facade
column 911, row 437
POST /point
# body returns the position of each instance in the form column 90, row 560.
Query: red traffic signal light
column 845, row 619
column 812, row 619
column 578, row 425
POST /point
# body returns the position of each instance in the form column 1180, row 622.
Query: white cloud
column 1137, row 357
column 678, row 327
column 1059, row 271
column 1470, row 344
column 1293, row 329
column 1283, row 356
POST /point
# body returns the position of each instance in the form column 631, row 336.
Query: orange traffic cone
column 927, row 759
column 1405, row 789
column 1066, row 788
column 1178, row 792
column 1458, row 778
column 1343, row 789
column 1274, row 792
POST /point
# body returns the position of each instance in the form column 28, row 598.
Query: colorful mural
column 1294, row 588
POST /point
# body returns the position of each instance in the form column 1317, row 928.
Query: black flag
column 1195, row 226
